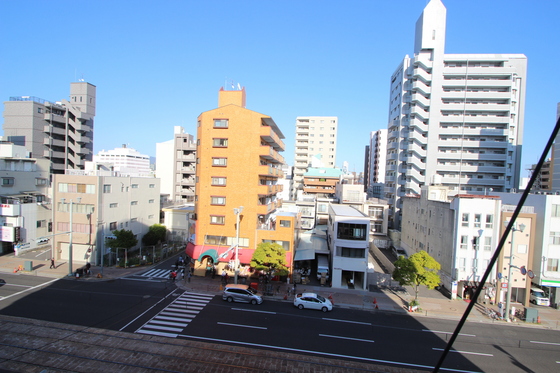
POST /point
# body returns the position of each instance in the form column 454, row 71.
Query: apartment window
column 552, row 265
column 465, row 220
column 76, row 188
column 285, row 223
column 218, row 200
column 134, row 203
column 489, row 221
column 113, row 226
column 134, row 186
column 556, row 211
column 7, row 181
column 215, row 219
column 152, row 186
column 377, row 227
column 350, row 252
column 113, row 205
column 221, row 123
column 375, row 212
column 41, row 223
column 464, row 242
column 222, row 162
column 151, row 201
column 219, row 181
column 106, row 188
column 488, row 243
column 349, row 231
column 477, row 218
column 40, row 181
column 220, row 143
column 462, row 263
column 554, row 238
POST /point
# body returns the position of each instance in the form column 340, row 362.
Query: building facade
column 238, row 168
column 454, row 119
column 61, row 132
column 176, row 166
column 316, row 139
column 377, row 159
column 125, row 160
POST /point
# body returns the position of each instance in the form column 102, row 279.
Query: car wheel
column 300, row 306
column 254, row 301
column 230, row 299
column 324, row 309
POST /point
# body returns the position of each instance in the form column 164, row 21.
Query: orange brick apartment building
column 238, row 164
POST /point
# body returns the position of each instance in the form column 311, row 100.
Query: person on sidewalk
column 52, row 264
column 173, row 276
column 189, row 277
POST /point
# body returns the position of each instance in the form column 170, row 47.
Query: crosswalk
column 176, row 317
column 156, row 273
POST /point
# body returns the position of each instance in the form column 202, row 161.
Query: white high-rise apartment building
column 454, row 119
column 61, row 132
column 125, row 160
column 377, row 156
column 176, row 166
column 315, row 147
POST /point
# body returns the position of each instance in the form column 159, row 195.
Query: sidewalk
column 432, row 303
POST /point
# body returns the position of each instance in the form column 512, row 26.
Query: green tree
column 156, row 234
column 270, row 257
column 419, row 269
column 124, row 240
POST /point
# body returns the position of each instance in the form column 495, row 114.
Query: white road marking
column 546, row 343
column 464, row 352
column 348, row 321
column 242, row 309
column 353, row 339
column 30, row 288
column 436, row 331
column 242, row 326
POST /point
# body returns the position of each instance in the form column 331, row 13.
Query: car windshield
column 539, row 294
column 321, row 298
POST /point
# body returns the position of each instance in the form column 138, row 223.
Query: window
column 552, row 265
column 214, row 219
column 221, row 123
column 285, row 223
column 556, row 211
column 218, row 200
column 134, row 203
column 489, row 221
column 222, row 162
column 134, row 219
column 150, row 216
column 220, row 181
column 220, row 143
column 106, row 188
column 488, row 243
column 41, row 223
column 350, row 231
column 554, row 238
column 464, row 242
column 465, row 220
column 285, row 244
column 477, row 218
column 152, row 186
column 40, row 181
column 134, row 186
column 113, row 205
column 375, row 212
column 151, row 201
column 113, row 226
column 462, row 263
column 7, row 181
column 350, row 252
column 76, row 188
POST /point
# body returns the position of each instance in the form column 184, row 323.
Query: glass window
column 552, row 265
column 151, row 201
column 219, row 161
column 349, row 231
column 489, row 221
column 477, row 218
column 152, row 185
column 556, row 211
column 7, row 181
column 106, row 188
column 285, row 223
column 465, row 220
column 221, row 181
column 113, row 205
column 113, row 226
column 488, row 243
column 217, row 219
column 554, row 238
column 134, row 186
column 221, row 123
column 218, row 200
column 134, row 203
column 220, row 143
column 464, row 242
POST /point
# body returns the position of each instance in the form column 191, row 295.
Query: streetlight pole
column 510, row 270
column 70, row 271
column 237, row 212
column 476, row 250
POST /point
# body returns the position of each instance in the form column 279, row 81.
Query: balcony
column 54, row 130
column 268, row 135
column 266, row 170
column 51, row 117
column 272, row 156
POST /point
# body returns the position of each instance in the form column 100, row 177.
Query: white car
column 312, row 301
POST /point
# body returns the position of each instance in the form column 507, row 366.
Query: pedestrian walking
column 52, row 264
column 189, row 277
column 182, row 273
column 173, row 276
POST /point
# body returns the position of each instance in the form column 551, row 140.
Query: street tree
column 419, row 269
column 124, row 239
column 270, row 257
column 156, row 234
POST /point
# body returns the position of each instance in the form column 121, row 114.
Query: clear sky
column 159, row 64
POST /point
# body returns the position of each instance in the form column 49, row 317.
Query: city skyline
column 156, row 68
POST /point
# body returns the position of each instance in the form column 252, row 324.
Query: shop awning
column 212, row 253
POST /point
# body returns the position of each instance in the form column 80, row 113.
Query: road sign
column 499, row 275
column 504, row 285
column 530, row 274
column 523, row 270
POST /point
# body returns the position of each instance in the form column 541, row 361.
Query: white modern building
column 315, row 146
column 377, row 157
column 61, row 132
column 348, row 239
column 125, row 160
column 454, row 119
column 25, row 212
column 176, row 166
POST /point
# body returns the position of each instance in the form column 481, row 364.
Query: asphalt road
column 156, row 306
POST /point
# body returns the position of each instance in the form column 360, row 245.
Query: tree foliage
column 419, row 269
column 124, row 240
column 270, row 257
column 156, row 234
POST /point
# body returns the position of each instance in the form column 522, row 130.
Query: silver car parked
column 241, row 293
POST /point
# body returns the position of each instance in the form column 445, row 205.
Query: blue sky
column 160, row 64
